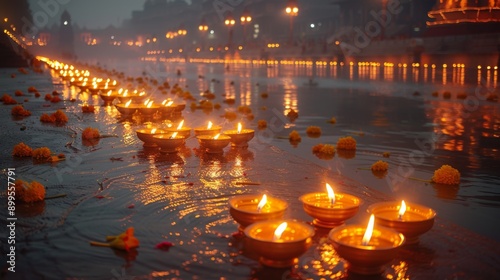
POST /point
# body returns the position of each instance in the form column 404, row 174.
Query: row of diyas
column 367, row 249
column 148, row 108
column 210, row 138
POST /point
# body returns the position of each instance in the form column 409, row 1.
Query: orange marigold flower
column 446, row 175
column 294, row 136
column 60, row 116
column 261, row 124
column 244, row 109
column 55, row 99
column 29, row 192
column 46, row 118
column 42, row 153
column 37, row 94
column 7, row 99
column 19, row 111
column 313, row 131
column 346, row 143
column 292, row 114
column 18, row 93
column 88, row 109
column 48, row 97
column 230, row 116
column 380, row 166
column 22, row 150
column 32, row 89
column 90, row 133
column 324, row 149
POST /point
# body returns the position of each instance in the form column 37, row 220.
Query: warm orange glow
column 262, row 202
column 180, row 125
column 150, row 103
column 209, row 126
column 402, row 209
column 128, row 103
column 239, row 127
column 369, row 231
column 153, row 131
column 217, row 136
column 331, row 194
column 109, row 93
column 173, row 135
column 146, row 102
column 279, row 231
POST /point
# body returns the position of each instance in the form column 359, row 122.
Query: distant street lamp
column 245, row 19
column 203, row 27
column 229, row 22
column 292, row 10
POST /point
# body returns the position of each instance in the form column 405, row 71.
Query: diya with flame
column 169, row 143
column 124, row 96
column 248, row 209
column 213, row 144
column 240, row 137
column 366, row 249
column 127, row 108
column 330, row 209
column 108, row 97
column 279, row 242
column 147, row 136
column 210, row 129
column 411, row 219
column 148, row 108
column 182, row 130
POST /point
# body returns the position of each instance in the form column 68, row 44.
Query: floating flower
column 264, row 95
column 207, row 105
column 37, row 94
column 19, row 111
column 346, row 143
column 333, row 120
column 461, row 95
column 55, row 93
column 55, row 99
column 8, row 100
column 22, row 150
column 230, row 116
column 32, row 89
column 313, row 131
column 42, row 154
column 217, row 106
column 60, row 117
column 325, row 149
column 435, row 94
column 244, row 109
column 446, row 95
column 294, row 136
column 250, row 117
column 380, row 166
column 88, row 109
column 262, row 124
column 446, row 175
column 18, row 93
column 90, row 133
column 46, row 118
column 386, row 154
column 292, row 115
column 48, row 97
column 165, row 245
column 29, row 192
column 125, row 241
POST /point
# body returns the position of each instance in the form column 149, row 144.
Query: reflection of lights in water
column 129, row 136
column 246, row 93
column 415, row 72
column 444, row 76
column 389, row 74
column 400, row 270
column 326, row 264
column 290, row 96
column 433, row 74
column 237, row 170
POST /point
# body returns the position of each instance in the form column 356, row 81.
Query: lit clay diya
column 240, row 137
column 146, row 136
column 213, row 144
column 366, row 249
column 411, row 219
column 148, row 108
column 127, row 108
column 182, row 130
column 279, row 243
column 108, row 97
column 136, row 98
column 248, row 209
column 169, row 143
column 210, row 130
column 167, row 107
column 330, row 209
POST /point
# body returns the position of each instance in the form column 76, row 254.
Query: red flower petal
column 165, row 245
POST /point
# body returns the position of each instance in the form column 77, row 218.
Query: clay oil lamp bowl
column 182, row 130
column 167, row 107
column 240, row 137
column 108, row 97
column 251, row 208
column 128, row 108
column 146, row 136
column 411, row 219
column 210, row 130
column 330, row 209
column 213, row 144
column 169, row 142
column 135, row 97
column 148, row 108
column 279, row 243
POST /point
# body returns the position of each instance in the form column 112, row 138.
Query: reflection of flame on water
column 369, row 231
column 402, row 209
column 217, row 136
column 331, row 194
column 262, row 202
column 209, row 126
column 239, row 127
column 128, row 103
column 180, row 125
column 173, row 135
column 153, row 131
column 279, row 231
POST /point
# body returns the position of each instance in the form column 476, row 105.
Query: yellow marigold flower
column 327, row 149
column 446, row 175
column 380, row 166
column 90, row 133
column 313, row 130
column 22, row 150
column 261, row 124
column 43, row 153
column 346, row 143
column 29, row 192
column 294, row 136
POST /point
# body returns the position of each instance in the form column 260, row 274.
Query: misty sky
column 91, row 13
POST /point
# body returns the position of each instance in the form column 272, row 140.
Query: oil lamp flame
column 402, row 209
column 217, row 136
column 180, row 125
column 169, row 103
column 369, row 231
column 142, row 93
column 150, row 103
column 109, row 93
column 173, row 135
column 331, row 194
column 209, row 126
column 262, row 202
column 146, row 102
column 153, row 131
column 120, row 91
column 279, row 231
column 239, row 128
column 128, row 103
